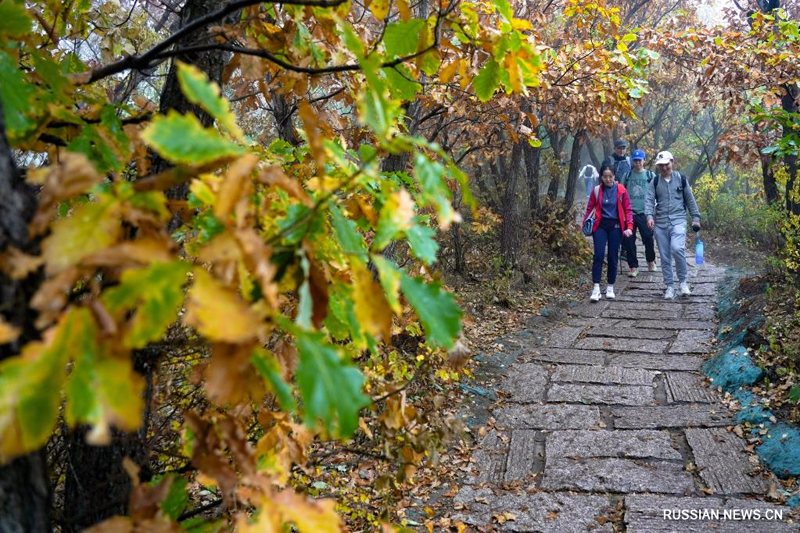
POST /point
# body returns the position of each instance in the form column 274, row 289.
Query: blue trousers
column 606, row 237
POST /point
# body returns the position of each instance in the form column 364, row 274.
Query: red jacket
column 623, row 208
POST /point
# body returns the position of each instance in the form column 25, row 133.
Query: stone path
column 609, row 424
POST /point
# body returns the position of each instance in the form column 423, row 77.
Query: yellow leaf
column 447, row 74
column 514, row 74
column 218, row 312
column 464, row 79
column 405, row 11
column 379, row 8
column 372, row 310
column 8, row 332
column 91, row 227
column 235, row 185
column 314, row 135
column 308, row 516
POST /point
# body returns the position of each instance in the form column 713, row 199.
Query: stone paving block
column 671, row 416
column 723, row 462
column 542, row 512
column 636, row 314
column 686, row 387
column 485, row 467
column 702, row 312
column 622, row 345
column 617, row 475
column 678, row 325
column 664, row 305
column 564, row 337
column 605, row 374
column 548, row 416
column 582, row 357
column 628, row 444
column 692, row 341
column 526, row 383
column 522, row 452
column 603, row 394
column 629, row 332
column 657, row 362
column 644, row 513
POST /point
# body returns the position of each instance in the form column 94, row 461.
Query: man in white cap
column 669, row 197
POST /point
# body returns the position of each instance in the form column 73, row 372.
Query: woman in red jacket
column 613, row 219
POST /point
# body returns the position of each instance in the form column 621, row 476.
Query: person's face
column 608, row 178
column 620, row 150
column 638, row 165
column 665, row 169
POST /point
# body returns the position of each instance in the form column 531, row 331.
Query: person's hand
column 627, row 233
column 651, row 224
column 696, row 226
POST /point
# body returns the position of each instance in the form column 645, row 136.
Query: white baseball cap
column 664, row 157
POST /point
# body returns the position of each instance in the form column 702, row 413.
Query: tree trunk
column 509, row 239
column 574, row 167
column 789, row 104
column 24, row 484
column 595, row 159
column 533, row 161
column 96, row 486
column 557, row 143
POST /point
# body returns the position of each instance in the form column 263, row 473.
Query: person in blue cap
column 636, row 182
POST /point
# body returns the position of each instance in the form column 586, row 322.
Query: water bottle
column 698, row 250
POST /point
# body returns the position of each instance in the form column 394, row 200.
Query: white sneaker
column 685, row 289
column 651, row 267
column 669, row 294
column 633, row 272
column 595, row 297
column 610, row 292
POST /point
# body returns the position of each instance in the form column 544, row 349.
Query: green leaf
column 299, row 221
column 205, row 93
column 436, row 308
column 375, row 110
column 14, row 19
column 402, row 38
column 430, row 176
column 504, row 8
column 305, row 305
column 389, row 276
column 156, row 292
column 400, row 85
column 347, row 234
column 208, row 226
column 102, row 389
column 49, row 71
column 17, row 97
column 105, row 144
column 629, row 38
column 266, row 365
column 422, row 242
column 30, row 389
column 181, row 139
column 794, row 394
column 91, row 227
column 329, row 386
column 177, row 497
column 487, row 80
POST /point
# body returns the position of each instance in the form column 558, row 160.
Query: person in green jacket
column 636, row 181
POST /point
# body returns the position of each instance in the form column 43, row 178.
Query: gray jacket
column 669, row 203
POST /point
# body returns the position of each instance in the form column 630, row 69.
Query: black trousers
column 629, row 243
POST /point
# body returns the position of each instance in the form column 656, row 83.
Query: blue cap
column 638, row 154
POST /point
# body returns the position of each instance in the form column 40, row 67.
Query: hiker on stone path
column 621, row 164
column 636, row 182
column 611, row 208
column 619, row 160
column 669, row 197
column 589, row 175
